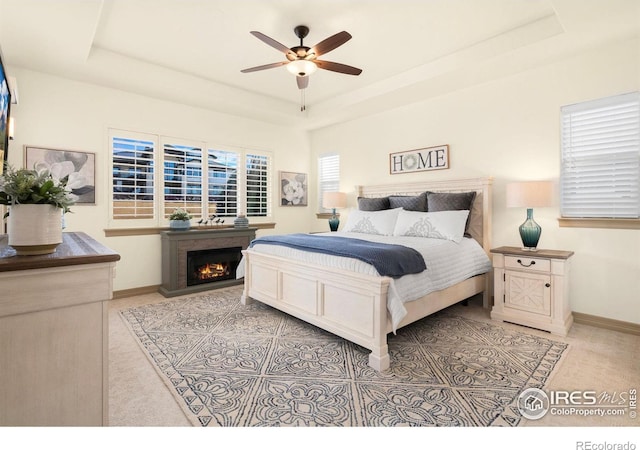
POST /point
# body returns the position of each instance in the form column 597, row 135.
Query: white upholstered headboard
column 480, row 222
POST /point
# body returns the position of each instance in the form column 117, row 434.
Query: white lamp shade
column 530, row 194
column 301, row 67
column 334, row 200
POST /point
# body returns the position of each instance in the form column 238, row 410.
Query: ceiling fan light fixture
column 301, row 67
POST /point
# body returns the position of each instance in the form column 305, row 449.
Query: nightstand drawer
column 527, row 264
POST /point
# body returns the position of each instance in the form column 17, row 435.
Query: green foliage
column 180, row 214
column 31, row 187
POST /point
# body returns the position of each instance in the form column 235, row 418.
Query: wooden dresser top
column 76, row 248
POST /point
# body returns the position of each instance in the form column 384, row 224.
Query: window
column 133, row 177
column 601, row 158
column 258, row 186
column 328, row 176
column 222, row 167
column 182, row 179
column 203, row 182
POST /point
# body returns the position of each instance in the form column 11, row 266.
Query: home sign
column 431, row 158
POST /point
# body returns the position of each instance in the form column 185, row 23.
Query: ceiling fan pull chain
column 303, row 105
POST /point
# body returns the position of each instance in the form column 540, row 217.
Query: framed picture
column 293, row 189
column 80, row 167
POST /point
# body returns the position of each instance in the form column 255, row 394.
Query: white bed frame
column 352, row 305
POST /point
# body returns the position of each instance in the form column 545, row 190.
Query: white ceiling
column 192, row 51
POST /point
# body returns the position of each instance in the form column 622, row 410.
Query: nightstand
column 532, row 288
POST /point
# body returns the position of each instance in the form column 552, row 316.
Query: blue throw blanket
column 389, row 259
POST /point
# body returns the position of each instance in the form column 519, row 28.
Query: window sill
column 115, row 232
column 623, row 224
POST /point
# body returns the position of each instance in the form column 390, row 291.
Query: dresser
column 532, row 288
column 54, row 334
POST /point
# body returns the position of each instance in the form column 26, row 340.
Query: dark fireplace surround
column 200, row 260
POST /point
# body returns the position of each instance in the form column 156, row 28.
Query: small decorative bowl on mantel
column 180, row 220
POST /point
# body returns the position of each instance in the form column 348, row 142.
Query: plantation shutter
column 182, row 178
column 258, row 184
column 600, row 142
column 328, row 176
column 194, row 176
column 222, row 170
column 132, row 177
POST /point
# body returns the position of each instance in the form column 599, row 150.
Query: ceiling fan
column 302, row 60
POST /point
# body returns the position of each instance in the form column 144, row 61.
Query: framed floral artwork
column 79, row 167
column 293, row 189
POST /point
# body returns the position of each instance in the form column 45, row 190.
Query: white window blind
column 222, row 169
column 182, row 178
column 328, row 176
column 203, row 182
column 132, row 179
column 258, row 185
column 601, row 158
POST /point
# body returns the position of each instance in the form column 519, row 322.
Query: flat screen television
column 5, row 110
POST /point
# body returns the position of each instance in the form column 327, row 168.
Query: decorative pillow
column 448, row 225
column 451, row 201
column 410, row 203
column 372, row 222
column 373, row 204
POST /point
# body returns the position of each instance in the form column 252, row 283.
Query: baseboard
column 609, row 324
column 135, row 291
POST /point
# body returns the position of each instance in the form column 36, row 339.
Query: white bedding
column 447, row 262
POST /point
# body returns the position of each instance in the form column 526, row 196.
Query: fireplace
column 198, row 260
column 211, row 266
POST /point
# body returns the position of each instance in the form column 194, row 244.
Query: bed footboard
column 350, row 305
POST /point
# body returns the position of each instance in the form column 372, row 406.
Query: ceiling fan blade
column 273, row 43
column 266, row 66
column 337, row 67
column 303, row 82
column 330, row 43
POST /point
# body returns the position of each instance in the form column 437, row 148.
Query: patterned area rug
column 234, row 365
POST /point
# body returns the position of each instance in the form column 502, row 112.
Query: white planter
column 34, row 229
column 180, row 225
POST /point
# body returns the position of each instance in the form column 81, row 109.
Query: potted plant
column 36, row 203
column 179, row 219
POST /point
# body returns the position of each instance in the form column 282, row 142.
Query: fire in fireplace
column 209, row 266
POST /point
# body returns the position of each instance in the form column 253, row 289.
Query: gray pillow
column 451, row 201
column 409, row 203
column 373, row 204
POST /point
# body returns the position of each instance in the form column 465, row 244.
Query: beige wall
column 509, row 129
column 506, row 128
column 58, row 113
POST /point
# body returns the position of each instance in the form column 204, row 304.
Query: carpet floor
column 233, row 365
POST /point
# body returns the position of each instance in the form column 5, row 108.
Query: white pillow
column 448, row 225
column 372, row 222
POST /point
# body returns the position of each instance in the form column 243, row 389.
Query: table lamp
column 333, row 200
column 530, row 194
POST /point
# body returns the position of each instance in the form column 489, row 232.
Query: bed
column 356, row 305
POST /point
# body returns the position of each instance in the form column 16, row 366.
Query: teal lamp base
column 334, row 221
column 530, row 232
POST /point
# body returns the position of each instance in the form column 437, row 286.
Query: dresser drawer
column 527, row 263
